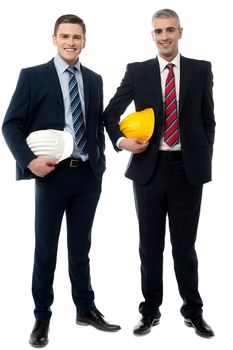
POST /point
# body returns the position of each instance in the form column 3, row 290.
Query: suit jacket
column 142, row 84
column 37, row 104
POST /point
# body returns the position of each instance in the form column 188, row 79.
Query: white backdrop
column 118, row 32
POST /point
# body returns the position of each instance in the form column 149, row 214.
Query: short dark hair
column 70, row 19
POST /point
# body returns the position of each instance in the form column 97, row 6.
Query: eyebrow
column 74, row 35
column 168, row 28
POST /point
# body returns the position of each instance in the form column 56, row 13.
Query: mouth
column 165, row 44
column 69, row 49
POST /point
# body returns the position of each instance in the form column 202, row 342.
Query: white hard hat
column 50, row 143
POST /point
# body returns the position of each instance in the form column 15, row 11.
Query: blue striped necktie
column 77, row 115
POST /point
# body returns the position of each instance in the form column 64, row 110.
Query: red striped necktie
column 171, row 132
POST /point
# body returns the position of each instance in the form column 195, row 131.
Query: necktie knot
column 170, row 66
column 71, row 70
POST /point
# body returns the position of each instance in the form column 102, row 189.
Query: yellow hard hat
column 139, row 125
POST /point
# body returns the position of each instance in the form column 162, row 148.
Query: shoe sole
column 38, row 346
column 156, row 322
column 83, row 323
column 188, row 324
column 80, row 323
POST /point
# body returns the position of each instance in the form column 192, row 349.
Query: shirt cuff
column 118, row 142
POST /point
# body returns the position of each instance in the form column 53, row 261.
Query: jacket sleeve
column 208, row 107
column 101, row 135
column 15, row 122
column 117, row 106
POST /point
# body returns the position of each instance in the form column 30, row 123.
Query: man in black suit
column 169, row 171
column 41, row 101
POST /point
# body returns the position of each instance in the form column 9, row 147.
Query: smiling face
column 166, row 32
column 70, row 41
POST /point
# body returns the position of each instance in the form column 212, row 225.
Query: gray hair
column 166, row 13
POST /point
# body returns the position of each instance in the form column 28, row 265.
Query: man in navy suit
column 169, row 171
column 41, row 101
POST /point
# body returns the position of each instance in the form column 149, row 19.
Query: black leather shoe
column 39, row 335
column 201, row 327
column 145, row 324
column 96, row 319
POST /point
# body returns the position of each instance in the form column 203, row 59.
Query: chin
column 69, row 60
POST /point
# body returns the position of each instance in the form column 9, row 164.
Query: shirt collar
column 62, row 65
column 163, row 62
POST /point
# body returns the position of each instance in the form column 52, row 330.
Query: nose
column 164, row 35
column 70, row 41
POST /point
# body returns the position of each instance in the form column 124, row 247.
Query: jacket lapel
column 152, row 71
column 153, row 74
column 54, row 80
column 186, row 68
column 86, row 87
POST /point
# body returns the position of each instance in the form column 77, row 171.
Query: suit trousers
column 169, row 194
column 75, row 192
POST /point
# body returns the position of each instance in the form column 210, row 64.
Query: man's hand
column 133, row 145
column 42, row 166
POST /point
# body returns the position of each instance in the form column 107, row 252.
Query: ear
column 54, row 39
column 153, row 35
column 180, row 32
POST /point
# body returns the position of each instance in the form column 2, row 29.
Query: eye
column 157, row 31
column 77, row 37
column 171, row 30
